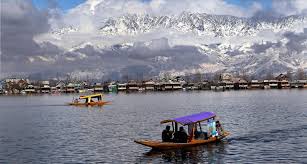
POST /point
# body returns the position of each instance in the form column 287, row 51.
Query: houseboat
column 132, row 86
column 229, row 85
column 177, row 85
column 98, row 87
column 112, row 87
column 256, row 84
column 266, row 84
column 30, row 89
column 298, row 84
column 60, row 87
column 283, row 84
column 240, row 83
column 45, row 88
column 122, row 87
column 273, row 84
column 70, row 88
column 149, row 85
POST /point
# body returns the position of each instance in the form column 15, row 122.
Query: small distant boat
column 191, row 120
column 89, row 100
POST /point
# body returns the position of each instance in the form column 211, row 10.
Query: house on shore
column 30, row 89
column 45, row 87
column 149, row 85
column 283, row 84
column 70, row 88
column 98, row 87
column 273, row 84
column 266, row 84
column 60, row 86
column 298, row 84
column 122, row 87
column 228, row 84
column 240, row 83
column 132, row 86
column 112, row 87
column 256, row 84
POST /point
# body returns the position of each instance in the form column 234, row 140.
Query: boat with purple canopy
column 197, row 134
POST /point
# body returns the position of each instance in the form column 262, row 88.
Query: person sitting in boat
column 76, row 100
column 181, row 136
column 167, row 134
column 219, row 128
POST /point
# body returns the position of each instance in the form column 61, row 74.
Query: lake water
column 267, row 126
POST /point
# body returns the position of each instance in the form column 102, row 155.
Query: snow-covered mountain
column 182, row 44
column 201, row 24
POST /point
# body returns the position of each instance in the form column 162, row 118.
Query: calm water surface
column 266, row 127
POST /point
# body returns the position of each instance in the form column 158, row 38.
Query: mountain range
column 148, row 45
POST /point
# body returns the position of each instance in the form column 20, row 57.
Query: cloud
column 93, row 13
column 289, row 7
column 20, row 22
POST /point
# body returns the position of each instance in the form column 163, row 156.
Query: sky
column 68, row 4
column 63, row 4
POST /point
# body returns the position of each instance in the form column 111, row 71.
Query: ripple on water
column 265, row 126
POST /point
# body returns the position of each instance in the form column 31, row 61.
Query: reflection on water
column 265, row 126
column 199, row 154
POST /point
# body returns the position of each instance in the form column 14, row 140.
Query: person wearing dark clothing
column 219, row 128
column 167, row 134
column 180, row 136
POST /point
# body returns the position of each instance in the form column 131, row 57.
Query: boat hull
column 171, row 145
column 99, row 103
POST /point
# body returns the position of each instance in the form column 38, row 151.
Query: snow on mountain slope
column 183, row 44
column 201, row 24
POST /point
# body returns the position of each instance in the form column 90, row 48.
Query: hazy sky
column 68, row 4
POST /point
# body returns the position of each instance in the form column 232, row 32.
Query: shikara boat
column 191, row 120
column 89, row 100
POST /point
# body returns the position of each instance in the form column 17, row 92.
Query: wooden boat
column 191, row 120
column 154, row 144
column 90, row 100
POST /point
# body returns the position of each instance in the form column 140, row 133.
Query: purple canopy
column 191, row 118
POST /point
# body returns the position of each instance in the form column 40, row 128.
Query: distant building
column 149, row 85
column 256, row 84
column 60, row 86
column 226, row 77
column 30, row 89
column 273, row 84
column 45, row 87
column 240, row 83
column 70, row 88
column 122, row 87
column 98, row 87
column 298, row 84
column 132, row 86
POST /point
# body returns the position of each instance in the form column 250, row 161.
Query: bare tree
column 289, row 75
column 244, row 75
column 125, row 78
column 186, row 78
column 167, row 76
column 217, row 76
column 269, row 75
column 300, row 74
column 198, row 77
